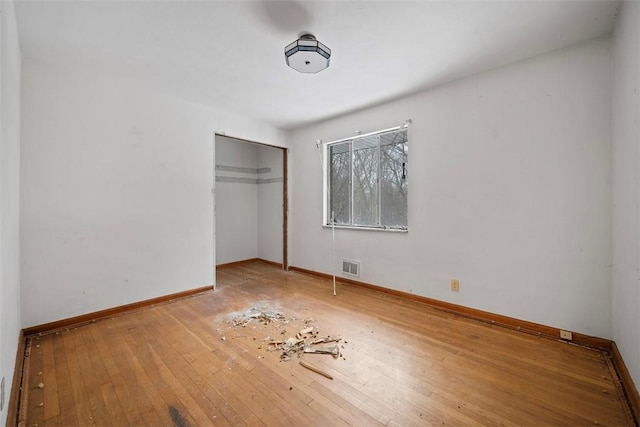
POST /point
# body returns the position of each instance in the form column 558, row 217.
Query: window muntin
column 366, row 183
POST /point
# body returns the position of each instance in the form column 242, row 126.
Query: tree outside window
column 367, row 181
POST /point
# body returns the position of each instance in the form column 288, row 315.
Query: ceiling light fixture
column 307, row 55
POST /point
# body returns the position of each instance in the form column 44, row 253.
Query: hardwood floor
column 187, row 363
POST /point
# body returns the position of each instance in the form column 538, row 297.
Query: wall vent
column 350, row 267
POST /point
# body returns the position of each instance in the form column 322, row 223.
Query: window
column 366, row 181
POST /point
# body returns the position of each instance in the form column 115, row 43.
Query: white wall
column 117, row 201
column 270, row 205
column 9, row 197
column 626, row 187
column 509, row 192
column 236, row 203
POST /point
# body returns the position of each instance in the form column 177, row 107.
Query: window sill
column 354, row 227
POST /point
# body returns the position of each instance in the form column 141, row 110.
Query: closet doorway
column 250, row 202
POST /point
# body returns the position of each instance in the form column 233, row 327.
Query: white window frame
column 326, row 220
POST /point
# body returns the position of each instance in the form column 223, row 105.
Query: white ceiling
column 229, row 54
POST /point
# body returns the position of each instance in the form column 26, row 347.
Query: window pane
column 340, row 183
column 393, row 178
column 365, row 181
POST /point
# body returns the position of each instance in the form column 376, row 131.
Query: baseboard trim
column 627, row 382
column 110, row 312
column 248, row 261
column 603, row 344
column 274, row 263
column 472, row 313
column 484, row 316
column 237, row 263
column 16, row 384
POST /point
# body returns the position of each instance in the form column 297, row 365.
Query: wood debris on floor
column 264, row 317
column 315, row 369
column 293, row 337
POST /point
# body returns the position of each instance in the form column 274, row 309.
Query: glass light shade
column 307, row 55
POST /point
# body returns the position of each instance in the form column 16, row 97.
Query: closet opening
column 250, row 202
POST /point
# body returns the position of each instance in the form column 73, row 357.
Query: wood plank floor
column 403, row 363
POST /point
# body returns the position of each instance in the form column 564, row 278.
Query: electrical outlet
column 566, row 335
column 455, row 285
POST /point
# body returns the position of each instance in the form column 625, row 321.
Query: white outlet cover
column 566, row 335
